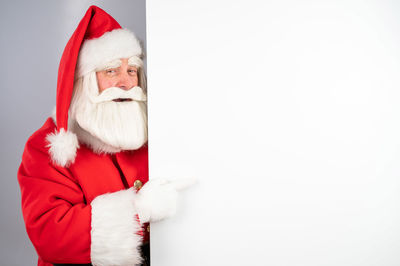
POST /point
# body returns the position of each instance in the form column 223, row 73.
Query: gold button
column 138, row 184
column 148, row 228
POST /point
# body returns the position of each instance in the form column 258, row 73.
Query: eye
column 132, row 71
column 110, row 71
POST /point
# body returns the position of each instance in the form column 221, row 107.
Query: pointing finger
column 182, row 183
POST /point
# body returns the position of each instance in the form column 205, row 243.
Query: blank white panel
column 288, row 114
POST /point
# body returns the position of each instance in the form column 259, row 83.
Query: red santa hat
column 97, row 40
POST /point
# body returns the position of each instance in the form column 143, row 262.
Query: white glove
column 157, row 199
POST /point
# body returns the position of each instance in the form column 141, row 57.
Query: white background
column 288, row 114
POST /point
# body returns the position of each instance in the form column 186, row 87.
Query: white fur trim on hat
column 62, row 147
column 114, row 230
column 115, row 44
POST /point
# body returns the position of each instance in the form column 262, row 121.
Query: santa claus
column 86, row 198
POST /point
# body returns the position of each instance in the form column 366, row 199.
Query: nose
column 124, row 81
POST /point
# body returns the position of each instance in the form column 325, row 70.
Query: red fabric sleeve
column 56, row 215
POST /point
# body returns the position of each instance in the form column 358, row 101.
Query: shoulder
column 36, row 160
column 37, row 141
column 36, row 151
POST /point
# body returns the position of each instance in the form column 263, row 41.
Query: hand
column 157, row 199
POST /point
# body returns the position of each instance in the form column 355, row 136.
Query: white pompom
column 62, row 147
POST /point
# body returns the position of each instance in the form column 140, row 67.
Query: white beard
column 105, row 125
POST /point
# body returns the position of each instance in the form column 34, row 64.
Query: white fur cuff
column 114, row 230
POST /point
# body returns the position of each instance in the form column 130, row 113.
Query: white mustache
column 113, row 93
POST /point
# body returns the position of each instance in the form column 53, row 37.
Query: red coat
column 56, row 201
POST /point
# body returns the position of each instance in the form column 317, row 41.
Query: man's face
column 120, row 74
column 110, row 106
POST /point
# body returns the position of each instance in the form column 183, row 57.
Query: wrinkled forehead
column 132, row 61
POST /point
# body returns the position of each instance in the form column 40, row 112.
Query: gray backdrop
column 33, row 39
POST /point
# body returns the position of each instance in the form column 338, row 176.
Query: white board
column 288, row 114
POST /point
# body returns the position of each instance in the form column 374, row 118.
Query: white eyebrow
column 112, row 64
column 134, row 61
